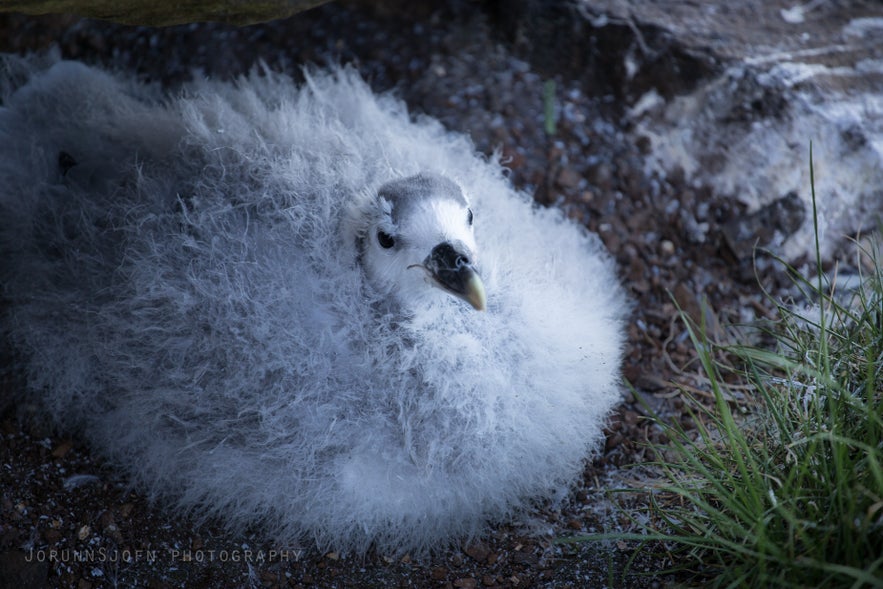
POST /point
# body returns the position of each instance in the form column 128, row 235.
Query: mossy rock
column 165, row 12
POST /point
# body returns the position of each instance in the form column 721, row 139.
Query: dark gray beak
column 451, row 269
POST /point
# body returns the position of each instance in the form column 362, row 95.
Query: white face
column 421, row 244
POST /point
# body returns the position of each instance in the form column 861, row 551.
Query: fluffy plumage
column 190, row 282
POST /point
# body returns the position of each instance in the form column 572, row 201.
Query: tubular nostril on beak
column 450, row 256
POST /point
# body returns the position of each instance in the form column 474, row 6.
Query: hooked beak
column 452, row 271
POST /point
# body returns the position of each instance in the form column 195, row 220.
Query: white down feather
column 186, row 292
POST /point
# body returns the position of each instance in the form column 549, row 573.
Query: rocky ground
column 567, row 142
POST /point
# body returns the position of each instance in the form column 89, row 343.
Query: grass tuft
column 549, row 114
column 790, row 493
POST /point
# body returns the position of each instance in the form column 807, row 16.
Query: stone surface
column 731, row 94
column 165, row 12
column 790, row 76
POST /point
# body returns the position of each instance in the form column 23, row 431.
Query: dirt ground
column 447, row 61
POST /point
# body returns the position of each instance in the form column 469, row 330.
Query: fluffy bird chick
column 296, row 307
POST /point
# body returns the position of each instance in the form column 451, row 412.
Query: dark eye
column 385, row 240
column 469, row 216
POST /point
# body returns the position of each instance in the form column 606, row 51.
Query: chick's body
column 229, row 292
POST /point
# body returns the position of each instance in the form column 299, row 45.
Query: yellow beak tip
column 475, row 294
